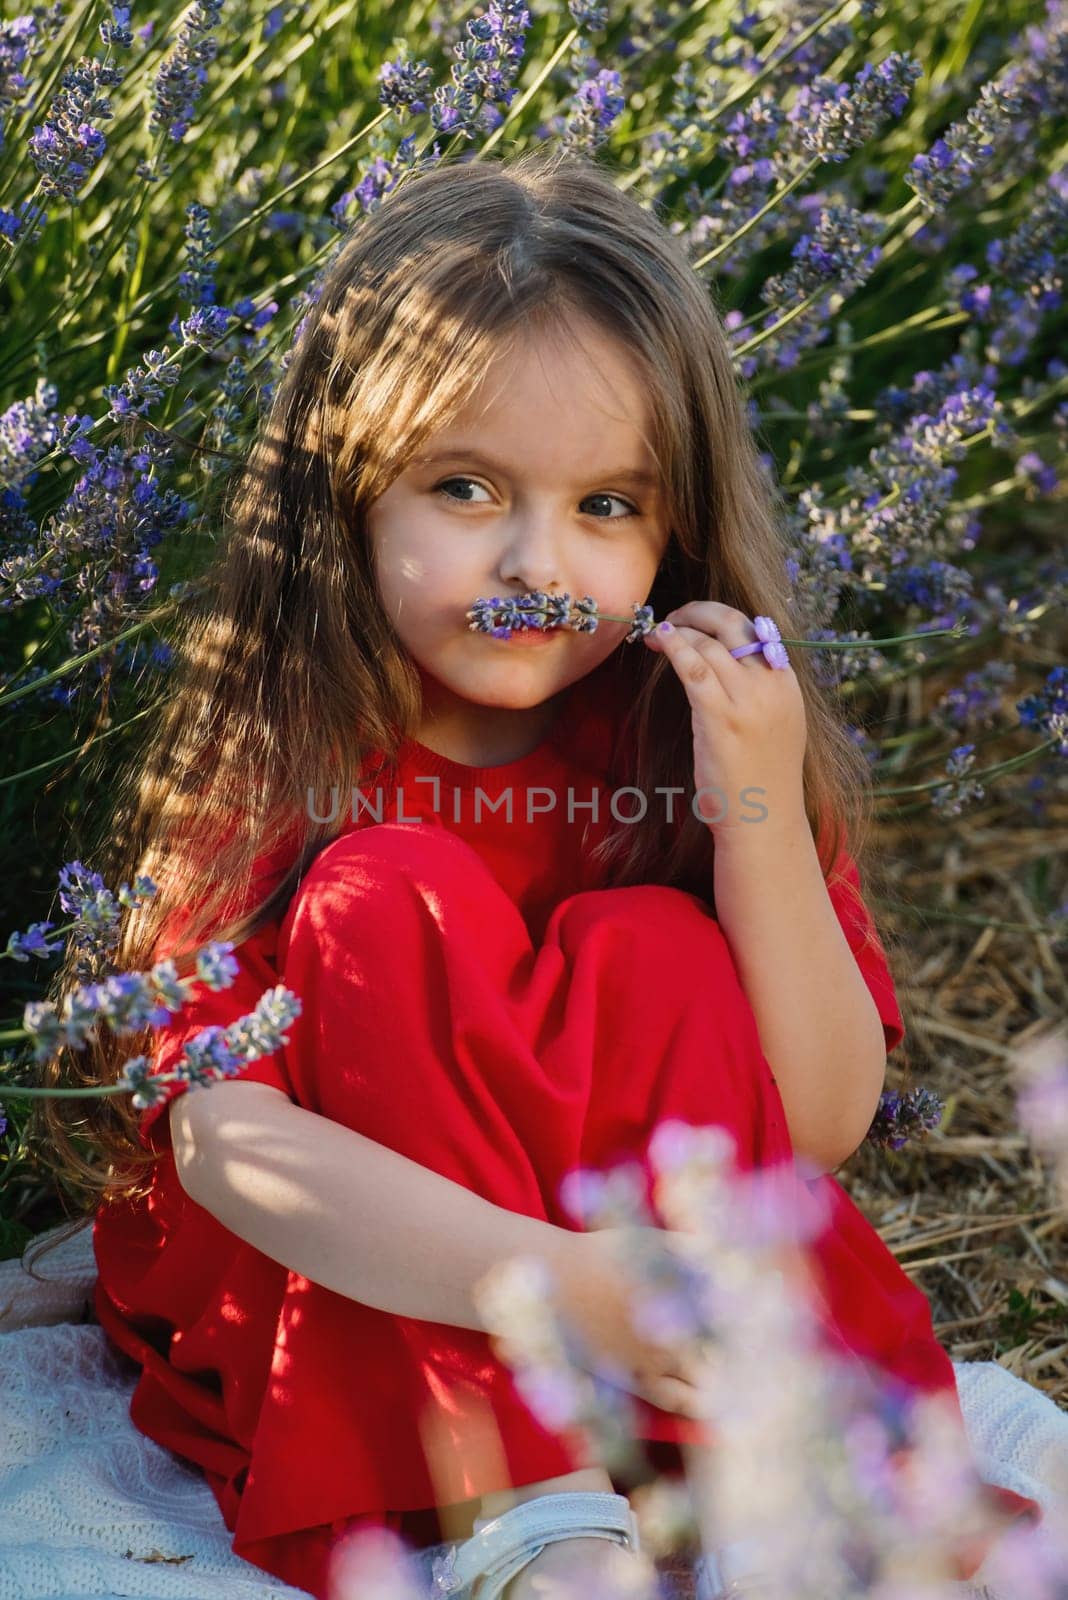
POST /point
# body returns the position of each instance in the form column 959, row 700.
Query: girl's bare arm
column 344, row 1211
column 358, row 1218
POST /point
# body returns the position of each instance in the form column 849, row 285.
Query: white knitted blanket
column 90, row 1507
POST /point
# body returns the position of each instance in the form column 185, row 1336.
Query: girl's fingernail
column 667, row 627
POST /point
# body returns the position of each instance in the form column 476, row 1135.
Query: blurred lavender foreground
column 878, row 201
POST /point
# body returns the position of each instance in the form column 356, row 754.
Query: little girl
column 535, row 893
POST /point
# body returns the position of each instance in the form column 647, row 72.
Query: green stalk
column 921, row 322
column 8, row 697
column 988, row 736
column 818, row 644
column 19, row 1091
column 953, row 62
column 79, row 750
column 130, row 285
column 973, row 642
column 943, row 915
column 769, row 205
column 981, row 772
column 810, row 300
column 899, row 812
column 59, row 314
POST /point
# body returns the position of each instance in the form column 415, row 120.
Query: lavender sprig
column 503, row 616
column 217, row 1052
column 536, row 609
column 902, row 1117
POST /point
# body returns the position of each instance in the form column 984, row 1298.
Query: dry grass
column 971, row 1213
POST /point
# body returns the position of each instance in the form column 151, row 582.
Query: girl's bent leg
column 407, row 956
column 671, row 1033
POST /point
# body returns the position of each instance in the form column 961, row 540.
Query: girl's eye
column 631, row 511
column 443, row 487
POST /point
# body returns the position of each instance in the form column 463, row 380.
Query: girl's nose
column 532, row 556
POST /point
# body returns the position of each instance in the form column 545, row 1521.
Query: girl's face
column 542, row 482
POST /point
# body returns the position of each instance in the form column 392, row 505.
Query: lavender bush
column 876, row 198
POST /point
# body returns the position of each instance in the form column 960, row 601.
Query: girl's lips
column 529, row 636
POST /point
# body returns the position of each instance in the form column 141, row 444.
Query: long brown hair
column 288, row 672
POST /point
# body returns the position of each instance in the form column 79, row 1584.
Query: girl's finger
column 732, row 628
column 677, row 1396
column 703, row 661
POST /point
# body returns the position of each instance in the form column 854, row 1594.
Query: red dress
column 472, row 999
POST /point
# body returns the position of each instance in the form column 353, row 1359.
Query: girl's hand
column 595, row 1299
column 749, row 731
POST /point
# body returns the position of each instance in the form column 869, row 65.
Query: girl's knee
column 376, row 887
column 376, row 861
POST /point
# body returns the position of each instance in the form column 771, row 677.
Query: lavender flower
column 197, row 281
column 1030, row 256
column 596, row 105
column 536, row 609
column 217, row 1052
column 126, row 1000
column 839, row 253
column 94, row 908
column 405, row 85
column 951, row 799
column 180, row 79
column 901, row 1117
column 1036, row 475
column 834, row 119
column 16, row 37
column 22, row 39
column 84, row 896
column 30, row 216
column 378, row 177
column 977, row 702
column 67, row 145
column 1047, row 710
column 21, row 946
column 115, row 30
column 274, row 21
column 120, row 489
column 588, row 16
column 895, row 504
column 29, row 429
column 486, row 62
column 953, row 163
column 143, row 386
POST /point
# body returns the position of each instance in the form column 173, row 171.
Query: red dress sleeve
column 843, row 886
